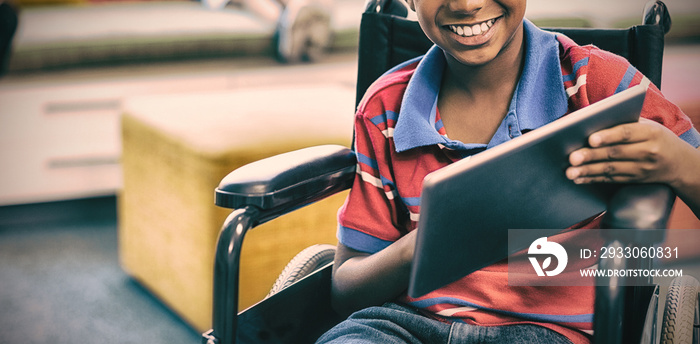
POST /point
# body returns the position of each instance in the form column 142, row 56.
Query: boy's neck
column 474, row 99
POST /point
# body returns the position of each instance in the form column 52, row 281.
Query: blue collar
column 539, row 97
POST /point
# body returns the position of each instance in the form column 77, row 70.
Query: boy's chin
column 474, row 59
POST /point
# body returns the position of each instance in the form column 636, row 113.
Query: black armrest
column 640, row 206
column 290, row 180
column 259, row 192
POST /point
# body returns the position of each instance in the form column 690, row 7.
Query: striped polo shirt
column 400, row 138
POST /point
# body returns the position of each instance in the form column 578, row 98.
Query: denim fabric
column 398, row 324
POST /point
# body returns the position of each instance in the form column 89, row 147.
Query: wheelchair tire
column 303, row 264
column 679, row 312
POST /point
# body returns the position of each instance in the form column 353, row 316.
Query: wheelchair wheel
column 307, row 261
column 680, row 312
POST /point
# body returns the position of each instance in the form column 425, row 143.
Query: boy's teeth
column 473, row 30
column 476, row 29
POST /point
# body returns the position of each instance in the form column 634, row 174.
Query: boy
column 491, row 76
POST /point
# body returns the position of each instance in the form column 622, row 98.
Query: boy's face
column 474, row 32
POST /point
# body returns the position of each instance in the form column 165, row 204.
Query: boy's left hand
column 641, row 152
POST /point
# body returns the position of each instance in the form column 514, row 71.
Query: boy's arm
column 362, row 280
column 642, row 152
column 375, row 249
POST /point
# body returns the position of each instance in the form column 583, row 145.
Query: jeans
column 394, row 323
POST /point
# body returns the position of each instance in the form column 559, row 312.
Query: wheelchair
column 298, row 308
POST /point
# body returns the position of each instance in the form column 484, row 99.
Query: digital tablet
column 467, row 207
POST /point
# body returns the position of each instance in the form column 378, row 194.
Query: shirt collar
column 539, row 97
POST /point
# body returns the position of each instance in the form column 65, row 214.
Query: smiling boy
column 490, row 77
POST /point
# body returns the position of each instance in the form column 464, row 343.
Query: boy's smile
column 474, row 32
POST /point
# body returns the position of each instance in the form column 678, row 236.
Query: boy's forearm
column 361, row 280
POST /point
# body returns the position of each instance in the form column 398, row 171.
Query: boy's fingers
column 607, row 153
column 624, row 133
column 621, row 171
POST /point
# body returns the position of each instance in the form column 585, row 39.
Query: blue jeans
column 394, row 323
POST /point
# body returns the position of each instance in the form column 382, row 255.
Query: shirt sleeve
column 610, row 74
column 370, row 218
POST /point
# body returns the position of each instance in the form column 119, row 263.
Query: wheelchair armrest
column 288, row 181
column 259, row 192
column 640, row 206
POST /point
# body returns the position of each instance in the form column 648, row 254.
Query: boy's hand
column 641, row 152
